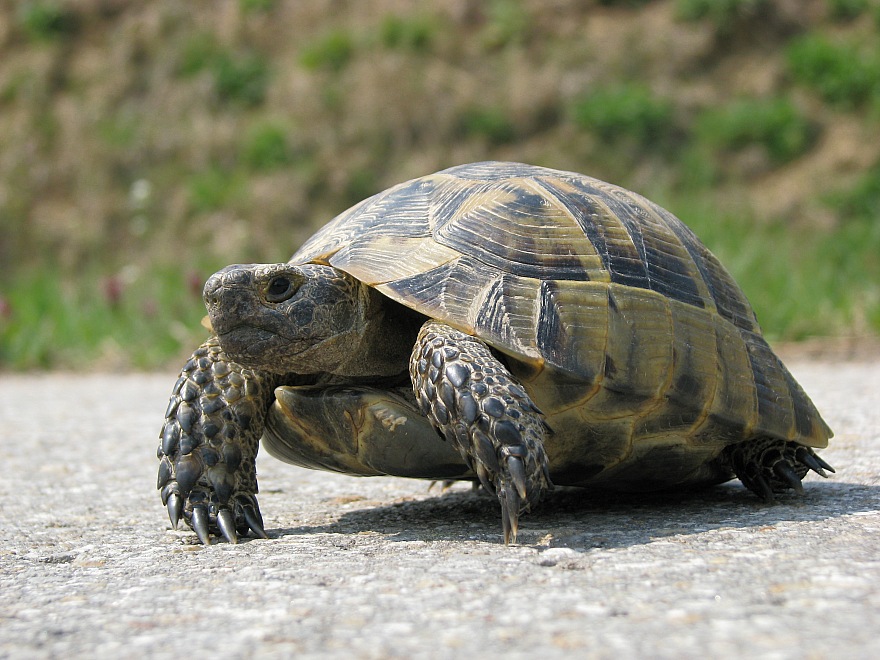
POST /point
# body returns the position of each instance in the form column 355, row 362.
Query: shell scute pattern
column 513, row 226
column 638, row 325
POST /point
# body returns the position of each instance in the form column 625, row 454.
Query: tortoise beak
column 230, row 297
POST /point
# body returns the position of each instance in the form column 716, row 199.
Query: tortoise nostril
column 212, row 286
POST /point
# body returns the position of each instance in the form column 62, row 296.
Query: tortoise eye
column 280, row 289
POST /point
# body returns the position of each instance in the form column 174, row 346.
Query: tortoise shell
column 635, row 342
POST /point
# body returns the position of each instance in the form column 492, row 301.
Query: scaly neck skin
column 305, row 319
column 384, row 340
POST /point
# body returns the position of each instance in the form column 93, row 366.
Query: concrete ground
column 375, row 568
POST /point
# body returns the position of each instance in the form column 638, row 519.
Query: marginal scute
column 640, row 346
column 395, row 212
column 572, row 327
column 693, row 379
column 775, row 405
column 503, row 313
column 804, row 418
column 444, row 292
column 378, row 261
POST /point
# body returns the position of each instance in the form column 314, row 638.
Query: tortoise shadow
column 581, row 519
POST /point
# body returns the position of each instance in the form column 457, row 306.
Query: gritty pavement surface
column 376, row 568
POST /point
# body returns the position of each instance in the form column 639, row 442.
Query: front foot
column 767, row 466
column 478, row 405
column 208, row 446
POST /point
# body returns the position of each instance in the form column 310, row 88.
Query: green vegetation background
column 144, row 144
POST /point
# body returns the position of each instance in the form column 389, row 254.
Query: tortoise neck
column 388, row 332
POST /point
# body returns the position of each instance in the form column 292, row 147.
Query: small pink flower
column 195, row 283
column 113, row 289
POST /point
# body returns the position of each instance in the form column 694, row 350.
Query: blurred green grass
column 51, row 321
column 821, row 282
column 143, row 147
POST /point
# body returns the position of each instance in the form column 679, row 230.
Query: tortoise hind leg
column 770, row 465
column 479, row 407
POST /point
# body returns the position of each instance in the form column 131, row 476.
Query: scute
column 587, row 283
column 514, row 226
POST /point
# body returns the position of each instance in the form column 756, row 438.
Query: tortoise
column 507, row 324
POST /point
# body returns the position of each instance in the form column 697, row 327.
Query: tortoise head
column 289, row 318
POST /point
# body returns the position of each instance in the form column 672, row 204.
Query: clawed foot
column 240, row 515
column 472, row 398
column 770, row 466
column 208, row 446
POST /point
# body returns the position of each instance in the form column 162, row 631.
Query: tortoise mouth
column 247, row 341
column 258, row 347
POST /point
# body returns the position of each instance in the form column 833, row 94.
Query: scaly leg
column 477, row 404
column 769, row 465
column 208, row 445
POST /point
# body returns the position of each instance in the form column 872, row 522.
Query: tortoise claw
column 768, row 465
column 823, row 464
column 226, row 523
column 485, row 478
column 478, row 405
column 200, row 524
column 175, row 508
column 787, row 474
column 806, row 456
column 208, row 443
column 517, row 475
column 510, row 507
column 206, row 520
column 445, row 484
column 254, row 520
column 763, row 489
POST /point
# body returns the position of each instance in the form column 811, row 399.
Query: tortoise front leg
column 208, row 445
column 478, row 405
